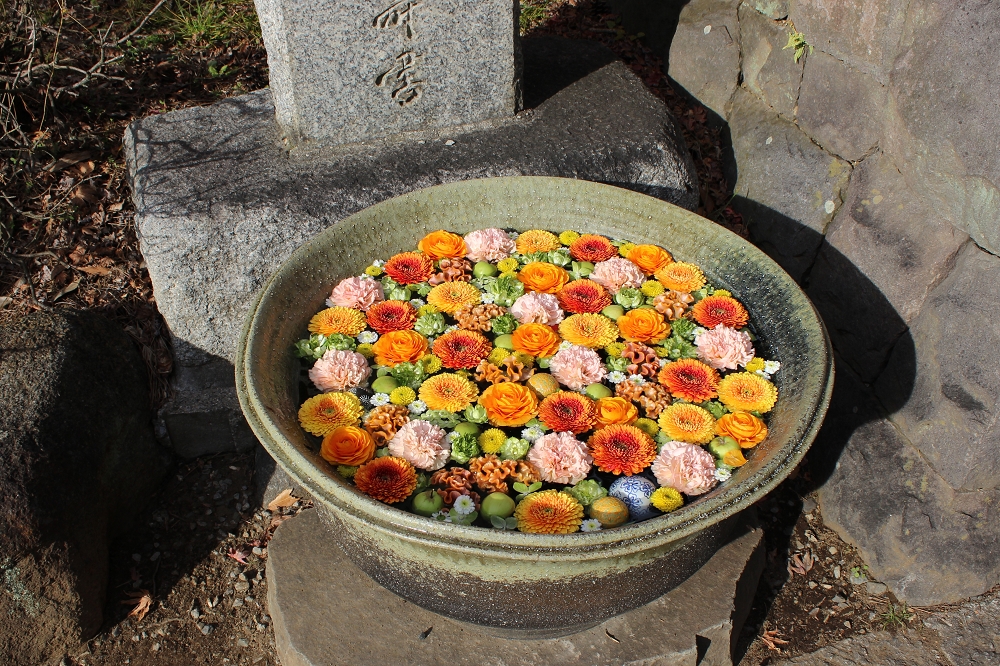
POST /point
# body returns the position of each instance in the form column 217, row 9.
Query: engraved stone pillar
column 344, row 71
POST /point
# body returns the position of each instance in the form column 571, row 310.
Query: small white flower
column 488, row 298
column 450, row 437
column 532, row 433
column 417, row 302
column 762, row 373
column 722, row 474
column 513, row 235
column 449, row 329
column 616, row 377
column 378, row 263
column 367, row 337
column 442, row 516
column 698, row 331
column 564, row 345
column 380, row 399
column 417, row 407
column 590, row 525
column 464, row 505
column 661, row 361
column 771, row 367
column 638, row 379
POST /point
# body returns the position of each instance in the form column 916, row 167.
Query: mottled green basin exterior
column 509, row 579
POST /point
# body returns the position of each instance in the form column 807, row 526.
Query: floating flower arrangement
column 539, row 382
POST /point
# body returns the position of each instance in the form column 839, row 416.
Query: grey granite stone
column 220, row 204
column 883, row 649
column 696, row 623
column 772, row 9
column 769, row 70
column 970, row 634
column 707, row 64
column 344, row 72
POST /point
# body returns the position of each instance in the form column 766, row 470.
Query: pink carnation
column 419, row 442
column 356, row 292
column 489, row 245
column 685, row 467
column 616, row 273
column 537, row 308
column 338, row 370
column 724, row 348
column 577, row 366
column 560, row 458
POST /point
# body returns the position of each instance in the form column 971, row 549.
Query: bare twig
column 141, row 23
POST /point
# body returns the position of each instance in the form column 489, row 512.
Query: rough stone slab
column 788, row 188
column 901, row 649
column 772, row 9
column 326, row 611
column 220, row 204
column 769, row 71
column 344, row 72
column 970, row 634
column 707, row 65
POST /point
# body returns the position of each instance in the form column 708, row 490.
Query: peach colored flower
column 442, row 244
column 724, row 348
column 685, row 467
column 420, row 443
column 616, row 273
column 537, row 308
column 339, row 369
column 560, row 457
column 576, row 367
column 489, row 245
column 356, row 292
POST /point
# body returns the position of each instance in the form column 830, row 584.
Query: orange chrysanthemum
column 462, row 349
column 588, row 330
column 681, row 276
column 566, row 411
column 690, row 380
column 549, row 512
column 592, row 248
column 584, row 296
column 684, row 422
column 643, row 325
column 543, row 277
column 747, row 392
column 714, row 310
column 338, row 320
column 324, row 413
column 392, row 316
column 451, row 297
column 650, row 258
column 536, row 240
column 388, row 479
column 448, row 392
column 536, row 340
column 397, row 347
column 409, row 267
column 622, row 449
column 443, row 244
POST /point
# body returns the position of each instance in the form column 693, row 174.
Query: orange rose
column 643, row 325
column 615, row 410
column 734, row 458
column 650, row 258
column 509, row 404
column 443, row 245
column 536, row 340
column 544, row 277
column 397, row 347
column 744, row 427
column 348, row 445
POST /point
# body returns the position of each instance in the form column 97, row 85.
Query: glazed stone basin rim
column 789, row 329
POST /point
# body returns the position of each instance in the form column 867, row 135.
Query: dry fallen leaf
column 67, row 289
column 238, row 554
column 94, row 270
column 284, row 498
column 143, row 602
column 801, row 564
column 67, row 161
column 770, row 638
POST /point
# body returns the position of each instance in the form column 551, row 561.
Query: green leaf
column 535, row 486
column 520, row 487
column 511, row 523
column 498, row 522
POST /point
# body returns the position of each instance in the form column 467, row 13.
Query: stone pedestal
column 327, row 612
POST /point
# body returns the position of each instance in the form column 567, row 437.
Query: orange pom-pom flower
column 588, row 330
column 592, row 248
column 566, row 411
column 448, row 392
column 536, row 340
column 536, row 240
column 681, row 276
column 549, row 512
column 747, row 392
column 397, row 347
column 690, row 380
column 442, row 244
column 714, row 310
column 409, row 267
column 543, row 277
column 509, row 404
column 622, row 449
column 338, row 320
column 584, row 296
column 650, row 258
column 643, row 325
column 392, row 316
column 462, row 349
column 684, row 422
column 388, row 479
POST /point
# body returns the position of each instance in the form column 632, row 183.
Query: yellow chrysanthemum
column 722, row 292
column 508, row 265
column 651, row 288
column 625, row 248
column 648, row 426
column 747, row 392
column 451, row 297
column 684, row 422
column 666, row 499
column 536, row 240
column 662, row 352
column 373, row 271
column 615, row 349
column 567, row 237
column 338, row 320
column 426, row 309
column 366, row 350
column 681, row 276
column 549, row 512
column 449, row 392
column 402, row 396
column 431, row 363
column 588, row 330
column 498, row 354
column 324, row 413
column 756, row 364
column 491, row 440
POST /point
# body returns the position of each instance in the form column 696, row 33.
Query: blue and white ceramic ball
column 635, row 491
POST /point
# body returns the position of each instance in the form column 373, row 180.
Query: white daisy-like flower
column 771, row 367
column 417, row 302
column 638, row 379
column 417, row 407
column 449, row 329
column 513, row 235
column 698, row 331
column 378, row 263
column 616, row 377
column 487, row 298
column 564, row 345
column 380, row 399
column 532, row 433
column 662, row 361
column 441, row 515
column 590, row 525
column 722, row 474
column 367, row 337
column 464, row 505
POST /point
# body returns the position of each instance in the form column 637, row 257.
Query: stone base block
column 327, row 612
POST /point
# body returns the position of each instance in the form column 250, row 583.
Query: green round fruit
column 384, row 384
column 497, row 504
column 613, row 312
column 585, row 268
column 504, row 341
column 427, row 503
column 466, row 428
column 382, row 372
column 484, row 269
column 598, row 391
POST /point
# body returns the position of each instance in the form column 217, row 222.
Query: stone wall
column 869, row 169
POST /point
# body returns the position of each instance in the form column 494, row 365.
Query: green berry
column 384, row 384
column 466, row 428
column 598, row 391
column 504, row 341
column 613, row 312
column 484, row 269
column 427, row 503
column 497, row 504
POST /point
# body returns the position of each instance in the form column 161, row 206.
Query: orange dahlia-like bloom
column 747, row 392
column 409, row 267
column 543, row 277
column 584, row 296
column 442, row 244
column 588, row 330
column 462, row 348
column 643, row 325
column 690, row 380
column 348, row 445
column 397, row 347
column 745, row 428
column 338, row 320
column 451, row 297
column 392, row 316
column 448, row 392
column 650, row 258
column 388, row 479
column 714, row 310
column 536, row 240
column 509, row 404
column 681, row 276
column 621, row 449
column 592, row 248
column 549, row 512
column 324, row 413
column 536, row 340
column 566, row 411
column 615, row 410
column 684, row 422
